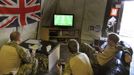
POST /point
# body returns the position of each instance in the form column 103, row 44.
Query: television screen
column 63, row 20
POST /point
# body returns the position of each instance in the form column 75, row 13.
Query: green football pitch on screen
column 63, row 20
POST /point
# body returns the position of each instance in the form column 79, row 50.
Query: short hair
column 14, row 36
column 73, row 46
column 113, row 37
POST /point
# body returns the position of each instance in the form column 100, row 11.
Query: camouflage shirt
column 28, row 63
column 78, row 64
column 24, row 54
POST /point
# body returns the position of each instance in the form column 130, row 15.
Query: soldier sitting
column 15, row 59
column 78, row 63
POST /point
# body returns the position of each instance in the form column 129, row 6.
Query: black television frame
column 63, row 25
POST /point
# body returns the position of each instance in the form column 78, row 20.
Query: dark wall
column 87, row 13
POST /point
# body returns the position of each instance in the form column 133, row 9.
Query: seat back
column 10, row 60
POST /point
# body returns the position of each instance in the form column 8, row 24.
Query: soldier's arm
column 24, row 55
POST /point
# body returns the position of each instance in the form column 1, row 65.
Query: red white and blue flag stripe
column 15, row 13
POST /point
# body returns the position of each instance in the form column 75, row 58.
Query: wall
column 48, row 7
column 94, row 15
column 87, row 13
column 4, row 34
column 75, row 7
column 29, row 31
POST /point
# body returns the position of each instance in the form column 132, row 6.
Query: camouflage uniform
column 43, row 63
column 28, row 63
column 70, row 68
column 90, row 51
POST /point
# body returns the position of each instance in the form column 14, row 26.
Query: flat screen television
column 63, row 20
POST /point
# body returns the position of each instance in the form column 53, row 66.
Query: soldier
column 15, row 59
column 78, row 63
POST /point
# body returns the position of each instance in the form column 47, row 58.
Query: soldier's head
column 73, row 46
column 113, row 39
column 15, row 36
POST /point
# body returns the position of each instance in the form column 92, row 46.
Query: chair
column 10, row 60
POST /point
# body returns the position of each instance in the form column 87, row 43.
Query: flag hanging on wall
column 15, row 13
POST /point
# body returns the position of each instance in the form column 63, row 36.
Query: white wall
column 126, row 30
column 29, row 31
column 4, row 34
column 127, row 22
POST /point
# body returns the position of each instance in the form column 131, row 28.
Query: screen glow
column 63, row 20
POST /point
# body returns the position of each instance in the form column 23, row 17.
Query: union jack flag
column 15, row 13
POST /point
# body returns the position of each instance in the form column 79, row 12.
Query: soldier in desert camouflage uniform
column 78, row 63
column 26, row 63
